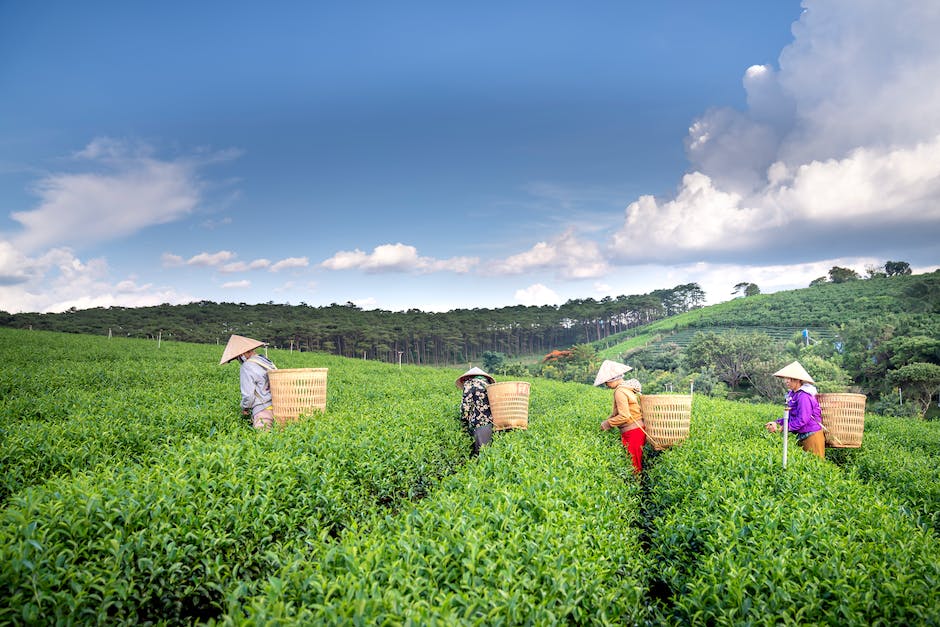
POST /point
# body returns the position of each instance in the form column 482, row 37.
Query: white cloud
column 290, row 262
column 536, row 295
column 241, row 266
column 820, row 207
column 701, row 217
column 876, row 185
column 838, row 152
column 15, row 267
column 569, row 256
column 396, row 258
column 224, row 262
column 121, row 190
column 58, row 280
column 211, row 260
column 862, row 73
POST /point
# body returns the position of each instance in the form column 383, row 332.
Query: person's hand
column 244, row 412
column 772, row 426
column 605, row 425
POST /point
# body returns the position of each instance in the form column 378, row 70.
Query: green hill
column 822, row 309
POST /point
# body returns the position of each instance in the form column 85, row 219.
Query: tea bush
column 136, row 494
column 740, row 540
column 542, row 528
column 901, row 455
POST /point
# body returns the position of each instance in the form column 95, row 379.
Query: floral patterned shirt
column 475, row 407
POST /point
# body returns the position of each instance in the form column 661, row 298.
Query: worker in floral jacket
column 475, row 407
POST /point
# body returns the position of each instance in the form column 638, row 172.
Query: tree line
column 413, row 336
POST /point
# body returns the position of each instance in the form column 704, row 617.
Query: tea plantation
column 133, row 492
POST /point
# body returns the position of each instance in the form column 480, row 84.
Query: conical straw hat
column 237, row 345
column 610, row 369
column 795, row 371
column 473, row 372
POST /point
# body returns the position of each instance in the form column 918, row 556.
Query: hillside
column 821, row 309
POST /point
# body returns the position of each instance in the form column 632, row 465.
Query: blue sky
column 448, row 155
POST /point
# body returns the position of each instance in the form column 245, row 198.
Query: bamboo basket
column 297, row 392
column 843, row 419
column 666, row 418
column 509, row 403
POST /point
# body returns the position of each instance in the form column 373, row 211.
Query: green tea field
column 133, row 492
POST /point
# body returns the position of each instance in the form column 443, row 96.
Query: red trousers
column 633, row 440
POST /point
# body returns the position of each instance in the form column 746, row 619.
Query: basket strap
column 267, row 367
column 655, row 441
column 833, row 435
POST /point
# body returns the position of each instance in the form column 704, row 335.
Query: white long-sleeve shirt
column 256, row 389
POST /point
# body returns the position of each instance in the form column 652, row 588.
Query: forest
column 412, row 337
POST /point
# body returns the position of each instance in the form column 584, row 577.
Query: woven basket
column 297, row 392
column 843, row 416
column 666, row 418
column 509, row 403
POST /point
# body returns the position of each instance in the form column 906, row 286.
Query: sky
column 438, row 155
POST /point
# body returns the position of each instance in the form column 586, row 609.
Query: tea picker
column 253, row 379
column 626, row 414
column 802, row 414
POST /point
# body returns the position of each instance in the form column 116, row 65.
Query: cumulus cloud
column 116, row 189
column 536, row 295
column 225, row 261
column 241, row 266
column 568, row 255
column 15, row 267
column 837, row 153
column 211, row 259
column 290, row 262
column 396, row 258
column 57, row 280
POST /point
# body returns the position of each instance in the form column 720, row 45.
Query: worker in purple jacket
column 805, row 418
